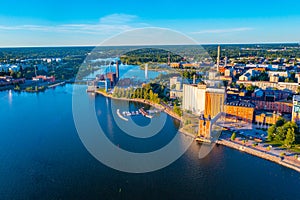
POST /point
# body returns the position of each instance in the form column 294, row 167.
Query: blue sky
column 58, row 22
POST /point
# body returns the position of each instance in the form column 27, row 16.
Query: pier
column 56, row 84
column 141, row 111
column 144, row 113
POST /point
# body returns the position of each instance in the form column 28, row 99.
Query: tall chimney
column 146, row 71
column 117, row 70
column 194, row 79
column 218, row 58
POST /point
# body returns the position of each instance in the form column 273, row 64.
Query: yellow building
column 267, row 118
column 204, row 129
column 214, row 101
column 239, row 111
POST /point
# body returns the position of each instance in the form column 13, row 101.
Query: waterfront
column 43, row 157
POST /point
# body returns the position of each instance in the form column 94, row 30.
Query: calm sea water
column 42, row 157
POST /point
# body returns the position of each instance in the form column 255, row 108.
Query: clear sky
column 88, row 22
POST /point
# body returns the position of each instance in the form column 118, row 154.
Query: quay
column 259, row 153
column 57, row 84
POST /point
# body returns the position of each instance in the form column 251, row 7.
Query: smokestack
column 218, row 58
column 194, row 79
column 117, row 70
column 146, row 71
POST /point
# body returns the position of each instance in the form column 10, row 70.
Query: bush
column 282, row 154
column 233, row 136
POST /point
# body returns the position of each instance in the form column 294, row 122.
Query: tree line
column 145, row 93
column 284, row 132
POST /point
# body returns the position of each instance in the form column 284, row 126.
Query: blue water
column 127, row 71
column 42, row 157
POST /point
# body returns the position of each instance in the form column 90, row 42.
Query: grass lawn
column 295, row 148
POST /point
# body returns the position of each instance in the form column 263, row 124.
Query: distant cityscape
column 250, row 94
column 254, row 104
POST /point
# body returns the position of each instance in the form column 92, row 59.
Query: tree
column 290, row 138
column 233, row 136
column 298, row 89
column 177, row 110
column 271, row 133
column 280, row 122
column 280, row 134
column 241, row 86
column 145, row 94
column 250, row 88
column 151, row 95
column 285, row 132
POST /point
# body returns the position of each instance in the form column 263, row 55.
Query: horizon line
column 135, row 45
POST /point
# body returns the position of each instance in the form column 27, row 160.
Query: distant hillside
column 145, row 55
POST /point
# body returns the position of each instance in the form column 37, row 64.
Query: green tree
column 177, row 110
column 250, row 88
column 280, row 122
column 280, row 134
column 298, row 89
column 290, row 138
column 145, row 94
column 271, row 133
column 233, row 136
column 151, row 95
column 241, row 86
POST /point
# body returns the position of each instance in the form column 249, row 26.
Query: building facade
column 214, row 101
column 199, row 99
column 266, row 118
column 239, row 111
column 194, row 98
column 296, row 109
column 292, row 87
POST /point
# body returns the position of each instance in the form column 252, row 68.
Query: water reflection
column 10, row 97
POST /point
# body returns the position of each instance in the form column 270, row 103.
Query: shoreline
column 259, row 153
column 233, row 145
column 158, row 106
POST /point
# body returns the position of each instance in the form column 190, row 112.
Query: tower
column 194, row 79
column 117, row 70
column 218, row 58
column 204, row 129
column 146, row 71
column 169, row 59
column 226, row 61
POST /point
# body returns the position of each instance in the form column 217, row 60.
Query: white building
column 248, row 74
column 194, row 98
column 230, row 72
column 176, row 87
column 277, row 73
column 174, row 81
column 296, row 109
